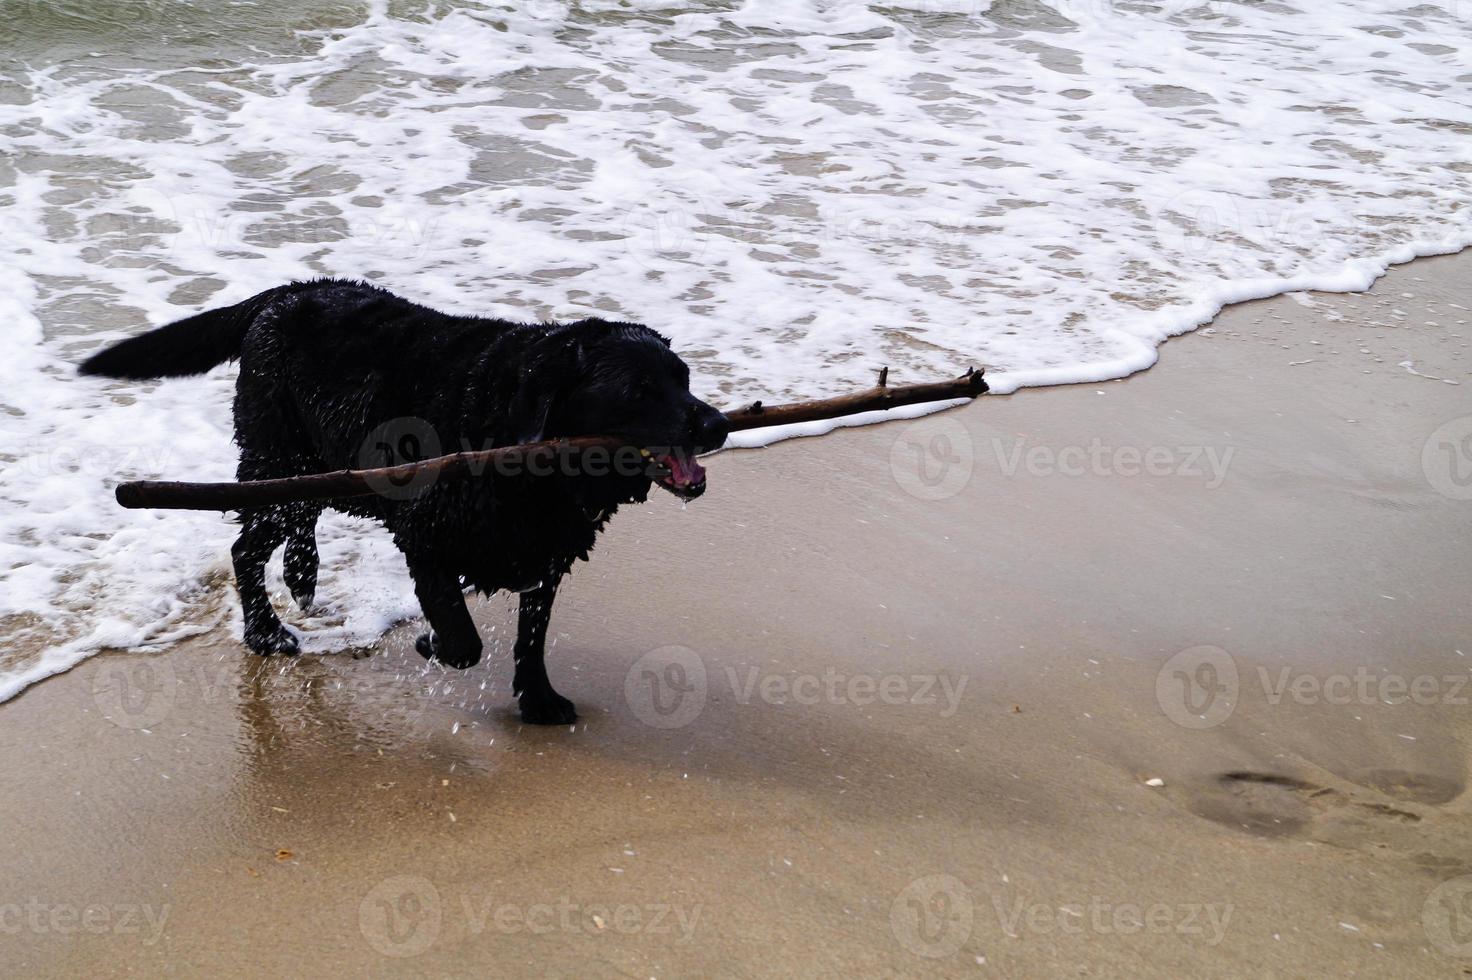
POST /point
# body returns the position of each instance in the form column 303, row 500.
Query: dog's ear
column 542, row 383
column 528, row 416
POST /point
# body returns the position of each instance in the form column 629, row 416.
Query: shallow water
column 797, row 192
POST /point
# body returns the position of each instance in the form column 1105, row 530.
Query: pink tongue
column 684, row 470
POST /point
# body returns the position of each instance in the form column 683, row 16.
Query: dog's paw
column 546, row 708
column 431, row 647
column 272, row 641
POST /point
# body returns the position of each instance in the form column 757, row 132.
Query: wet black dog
column 337, row 374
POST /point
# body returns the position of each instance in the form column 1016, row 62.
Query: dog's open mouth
column 679, row 473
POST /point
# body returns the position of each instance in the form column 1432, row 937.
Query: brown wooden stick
column 757, row 415
column 401, row 482
column 537, row 458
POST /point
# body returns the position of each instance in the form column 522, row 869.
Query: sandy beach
column 1166, row 675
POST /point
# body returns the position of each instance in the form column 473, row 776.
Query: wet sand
column 847, row 714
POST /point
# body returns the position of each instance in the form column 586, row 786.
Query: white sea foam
column 797, row 191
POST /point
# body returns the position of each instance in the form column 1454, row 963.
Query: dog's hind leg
column 455, row 641
column 263, row 532
column 540, row 704
column 299, row 566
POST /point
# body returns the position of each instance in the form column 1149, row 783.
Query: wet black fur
column 324, row 364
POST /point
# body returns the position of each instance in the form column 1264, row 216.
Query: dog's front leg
column 455, row 641
column 540, row 704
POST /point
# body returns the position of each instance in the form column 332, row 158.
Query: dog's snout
column 710, row 427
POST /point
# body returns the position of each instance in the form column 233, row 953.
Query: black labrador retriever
column 337, row 374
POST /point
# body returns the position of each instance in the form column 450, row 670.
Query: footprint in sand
column 1271, row 805
column 1412, row 787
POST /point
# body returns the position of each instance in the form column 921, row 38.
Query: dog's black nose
column 710, row 427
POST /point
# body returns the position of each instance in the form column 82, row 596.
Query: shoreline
column 938, row 665
column 1358, row 276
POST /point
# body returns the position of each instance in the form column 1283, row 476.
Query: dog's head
column 594, row 377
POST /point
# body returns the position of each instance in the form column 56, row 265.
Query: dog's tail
column 189, row 346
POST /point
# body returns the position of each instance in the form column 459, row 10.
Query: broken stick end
column 129, row 496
